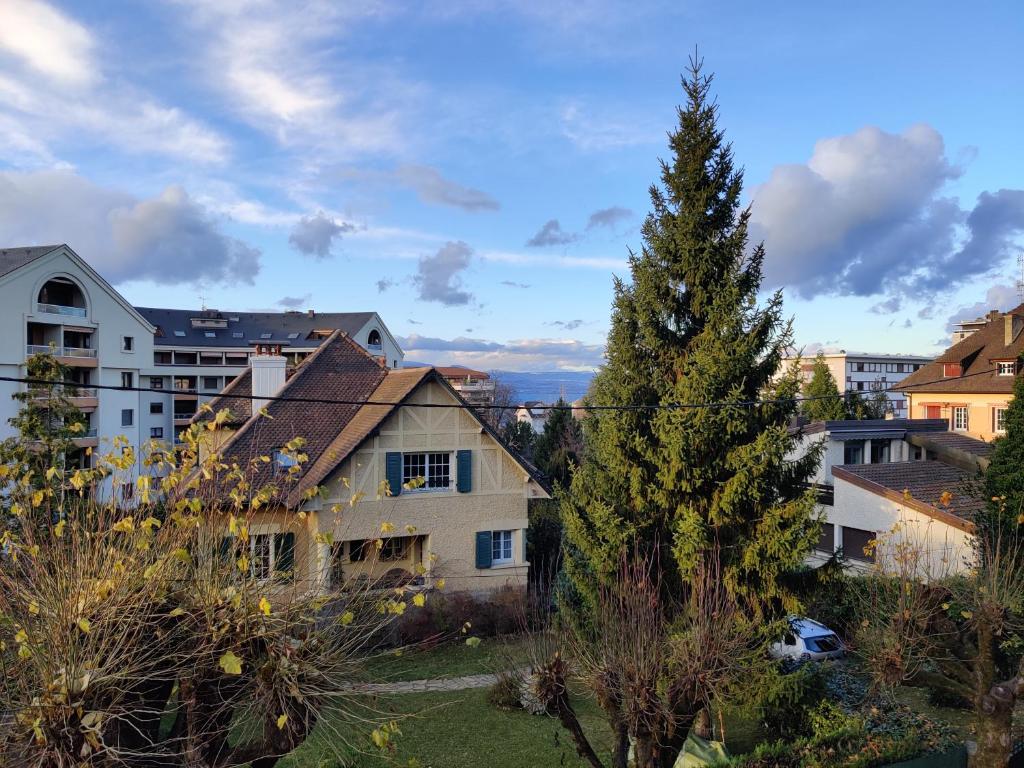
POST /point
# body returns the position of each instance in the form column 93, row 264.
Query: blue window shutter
column 393, row 472
column 483, row 549
column 464, row 468
column 526, row 559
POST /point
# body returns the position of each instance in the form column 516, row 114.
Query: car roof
column 805, row 627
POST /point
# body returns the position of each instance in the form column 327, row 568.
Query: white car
column 807, row 640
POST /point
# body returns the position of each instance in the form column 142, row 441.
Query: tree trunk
column 994, row 703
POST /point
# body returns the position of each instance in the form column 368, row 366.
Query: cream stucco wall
column 446, row 520
column 942, row 549
column 979, row 415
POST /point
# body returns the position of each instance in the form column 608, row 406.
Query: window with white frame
column 270, row 554
column 127, row 343
column 999, row 419
column 434, row 468
column 501, row 547
column 960, row 418
column 1007, row 368
column 394, row 548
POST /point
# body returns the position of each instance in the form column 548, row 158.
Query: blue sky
column 477, row 171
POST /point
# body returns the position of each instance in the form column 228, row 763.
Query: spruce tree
column 823, row 403
column 682, row 484
column 1004, row 478
column 557, row 448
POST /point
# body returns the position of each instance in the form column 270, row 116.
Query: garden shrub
column 503, row 612
column 505, row 692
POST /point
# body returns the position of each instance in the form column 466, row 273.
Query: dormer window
column 1007, row 368
column 952, row 369
column 210, row 334
column 373, row 340
column 180, row 334
column 266, row 335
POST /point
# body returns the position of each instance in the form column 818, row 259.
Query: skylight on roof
column 293, row 335
column 237, row 334
column 210, row 334
column 233, row 319
column 266, row 335
column 180, row 334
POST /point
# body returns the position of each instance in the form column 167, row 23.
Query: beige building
column 971, row 383
column 407, row 490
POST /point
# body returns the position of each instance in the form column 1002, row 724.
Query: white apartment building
column 54, row 300
column 867, row 373
column 197, row 352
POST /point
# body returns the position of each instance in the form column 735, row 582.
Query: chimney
column 269, row 368
column 310, row 314
column 1011, row 327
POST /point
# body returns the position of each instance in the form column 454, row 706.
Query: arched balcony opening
column 373, row 341
column 61, row 296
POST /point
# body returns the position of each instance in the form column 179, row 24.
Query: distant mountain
column 546, row 387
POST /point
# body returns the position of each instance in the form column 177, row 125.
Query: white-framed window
column 960, row 418
column 127, row 417
column 1007, row 368
column 270, row 554
column 127, row 379
column 434, row 468
column 501, row 547
column 394, row 548
column 127, row 343
column 999, row 419
column 156, row 433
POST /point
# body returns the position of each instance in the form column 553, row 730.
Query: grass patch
column 452, row 659
column 461, row 730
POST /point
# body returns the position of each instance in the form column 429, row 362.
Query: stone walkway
column 464, row 683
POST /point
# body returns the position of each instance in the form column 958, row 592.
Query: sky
column 477, row 172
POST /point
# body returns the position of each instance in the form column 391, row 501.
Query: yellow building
column 971, row 383
column 403, row 483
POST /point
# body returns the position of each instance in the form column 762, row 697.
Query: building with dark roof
column 970, row 384
column 403, row 481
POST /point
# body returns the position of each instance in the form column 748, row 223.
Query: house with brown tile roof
column 971, row 383
column 402, row 481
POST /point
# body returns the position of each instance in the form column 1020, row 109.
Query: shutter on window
column 284, row 554
column 483, row 549
column 526, row 537
column 393, row 472
column 464, row 467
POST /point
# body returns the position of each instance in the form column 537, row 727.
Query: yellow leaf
column 58, row 529
column 124, row 526
column 177, row 612
column 231, row 664
column 281, row 721
column 439, row 583
column 966, row 614
column 386, row 527
column 265, row 608
column 33, row 608
column 419, row 600
column 347, row 618
column 51, row 473
column 84, row 625
column 472, row 642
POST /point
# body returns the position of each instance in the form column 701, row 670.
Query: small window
column 233, row 319
column 211, row 383
column 284, row 461
column 156, row 408
column 128, row 343
column 127, row 417
column 1007, row 368
column 266, row 335
column 156, row 382
column 853, row 452
column 999, row 420
column 237, row 335
column 827, row 539
column 501, row 547
column 180, row 334
column 127, row 379
column 394, row 548
column 357, row 550
column 293, row 335
column 433, row 468
column 373, row 340
column 210, row 334
column 859, row 544
column 156, row 433
column 880, row 451
column 960, row 421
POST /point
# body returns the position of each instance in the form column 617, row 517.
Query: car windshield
column 822, row 643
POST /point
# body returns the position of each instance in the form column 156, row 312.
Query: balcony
column 83, row 398
column 46, row 349
column 60, row 309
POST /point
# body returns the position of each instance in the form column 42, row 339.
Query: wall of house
column 940, row 548
column 980, row 413
column 448, row 520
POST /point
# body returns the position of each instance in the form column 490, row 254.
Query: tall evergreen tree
column 557, row 448
column 1004, row 478
column 823, row 403
column 682, row 483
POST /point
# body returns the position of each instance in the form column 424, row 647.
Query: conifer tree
column 557, row 448
column 682, row 483
column 823, row 403
column 1004, row 478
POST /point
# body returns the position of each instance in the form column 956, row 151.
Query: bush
column 502, row 612
column 505, row 693
column 838, row 603
column 786, row 696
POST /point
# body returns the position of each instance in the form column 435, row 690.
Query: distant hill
column 546, row 387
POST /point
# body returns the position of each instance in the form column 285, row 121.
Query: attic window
column 1007, row 368
column 210, row 334
column 233, row 319
column 237, row 335
column 293, row 335
column 180, row 334
column 266, row 335
column 952, row 369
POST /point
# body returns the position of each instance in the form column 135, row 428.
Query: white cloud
column 566, row 262
column 515, row 355
column 438, row 276
column 593, row 132
column 314, row 235
column 1000, row 297
column 48, row 42
column 165, row 239
column 867, row 215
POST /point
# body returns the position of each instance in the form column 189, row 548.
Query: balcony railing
column 87, row 433
column 181, row 416
column 46, row 349
column 60, row 309
column 67, row 391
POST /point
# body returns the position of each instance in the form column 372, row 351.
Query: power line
column 466, row 406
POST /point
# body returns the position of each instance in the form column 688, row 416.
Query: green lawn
column 463, row 730
column 452, row 659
